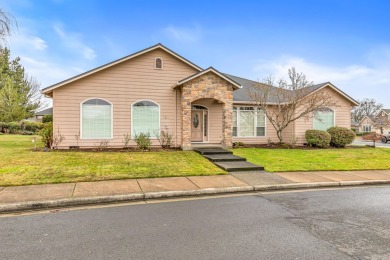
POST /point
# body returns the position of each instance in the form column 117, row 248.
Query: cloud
column 73, row 42
column 47, row 72
column 28, row 41
column 184, row 34
column 370, row 79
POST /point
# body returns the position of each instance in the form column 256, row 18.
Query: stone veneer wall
column 212, row 86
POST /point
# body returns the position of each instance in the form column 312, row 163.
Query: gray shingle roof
column 386, row 110
column 242, row 95
column 47, row 111
column 250, row 85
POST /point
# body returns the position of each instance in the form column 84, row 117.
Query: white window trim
column 132, row 118
column 155, row 63
column 208, row 119
column 255, row 124
column 81, row 120
column 334, row 118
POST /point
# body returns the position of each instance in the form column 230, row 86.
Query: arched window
column 96, row 119
column 323, row 119
column 146, row 118
column 159, row 63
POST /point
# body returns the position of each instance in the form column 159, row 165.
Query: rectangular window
column 367, row 128
column 96, row 121
column 248, row 122
column 260, row 127
column 323, row 120
column 234, row 121
column 146, row 119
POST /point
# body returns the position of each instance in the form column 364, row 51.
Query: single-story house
column 39, row 115
column 157, row 89
column 372, row 123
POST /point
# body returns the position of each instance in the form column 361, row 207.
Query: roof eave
column 328, row 84
column 210, row 69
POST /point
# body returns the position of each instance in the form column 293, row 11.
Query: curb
column 33, row 205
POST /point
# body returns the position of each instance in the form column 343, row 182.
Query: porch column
column 227, row 109
column 185, row 121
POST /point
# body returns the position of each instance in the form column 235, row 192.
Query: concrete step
column 224, row 157
column 238, row 166
column 206, row 151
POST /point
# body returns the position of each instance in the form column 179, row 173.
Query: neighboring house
column 39, row 115
column 157, row 89
column 354, row 125
column 367, row 124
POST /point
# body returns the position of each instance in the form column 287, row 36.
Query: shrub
column 341, row 136
column 47, row 118
column 27, row 133
column 47, row 134
column 143, row 141
column 165, row 138
column 317, row 138
column 14, row 127
column 238, row 144
column 3, row 127
column 31, row 126
column 363, row 133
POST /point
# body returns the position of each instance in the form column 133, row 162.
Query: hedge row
column 334, row 136
column 23, row 127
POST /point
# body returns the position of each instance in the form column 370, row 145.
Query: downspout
column 175, row 117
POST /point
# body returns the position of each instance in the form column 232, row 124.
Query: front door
column 197, row 126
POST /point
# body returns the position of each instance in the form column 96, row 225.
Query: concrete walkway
column 68, row 194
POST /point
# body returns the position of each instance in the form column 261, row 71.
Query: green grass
column 20, row 165
column 283, row 160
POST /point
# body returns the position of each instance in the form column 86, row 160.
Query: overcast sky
column 344, row 42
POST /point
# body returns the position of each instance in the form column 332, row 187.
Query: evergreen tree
column 19, row 94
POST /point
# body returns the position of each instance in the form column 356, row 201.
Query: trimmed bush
column 47, row 118
column 317, row 138
column 31, row 126
column 341, row 136
column 14, row 127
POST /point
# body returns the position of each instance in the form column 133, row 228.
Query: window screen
column 96, row 119
column 146, row 118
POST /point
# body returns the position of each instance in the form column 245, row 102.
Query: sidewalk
column 69, row 194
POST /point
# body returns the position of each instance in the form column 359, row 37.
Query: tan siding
column 342, row 116
column 122, row 85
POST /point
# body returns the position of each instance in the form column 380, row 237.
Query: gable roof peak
column 47, row 90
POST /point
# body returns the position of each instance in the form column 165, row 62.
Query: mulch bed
column 296, row 147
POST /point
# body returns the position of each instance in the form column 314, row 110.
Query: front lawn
column 284, row 160
column 19, row 165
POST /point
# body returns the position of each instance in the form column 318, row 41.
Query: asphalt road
column 326, row 224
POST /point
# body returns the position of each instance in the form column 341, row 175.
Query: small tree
column 381, row 123
column 287, row 101
column 374, row 137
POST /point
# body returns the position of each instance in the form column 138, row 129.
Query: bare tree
column 367, row 107
column 7, row 22
column 287, row 101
